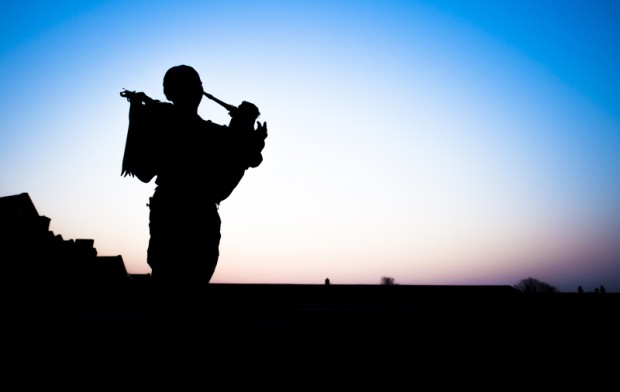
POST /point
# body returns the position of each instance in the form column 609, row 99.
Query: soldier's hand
column 137, row 96
column 262, row 129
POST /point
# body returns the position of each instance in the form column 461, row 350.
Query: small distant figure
column 326, row 281
column 602, row 289
column 580, row 290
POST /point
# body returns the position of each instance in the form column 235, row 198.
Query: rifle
column 226, row 106
column 248, row 111
column 136, row 96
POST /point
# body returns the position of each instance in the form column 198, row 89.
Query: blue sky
column 435, row 142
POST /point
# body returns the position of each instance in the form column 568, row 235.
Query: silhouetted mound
column 39, row 261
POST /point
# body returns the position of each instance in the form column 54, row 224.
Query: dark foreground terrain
column 276, row 326
column 381, row 314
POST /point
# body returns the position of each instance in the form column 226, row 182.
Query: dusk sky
column 434, row 142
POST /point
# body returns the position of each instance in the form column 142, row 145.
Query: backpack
column 241, row 149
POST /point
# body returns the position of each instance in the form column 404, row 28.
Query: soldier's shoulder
column 213, row 125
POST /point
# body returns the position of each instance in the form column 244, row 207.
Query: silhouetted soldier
column 197, row 164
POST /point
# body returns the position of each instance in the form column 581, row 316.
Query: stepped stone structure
column 36, row 260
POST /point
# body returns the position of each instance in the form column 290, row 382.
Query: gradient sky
column 435, row 142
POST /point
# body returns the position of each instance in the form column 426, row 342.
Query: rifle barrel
column 227, row 106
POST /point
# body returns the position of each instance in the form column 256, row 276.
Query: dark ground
column 325, row 326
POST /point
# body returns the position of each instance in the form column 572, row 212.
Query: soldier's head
column 183, row 87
